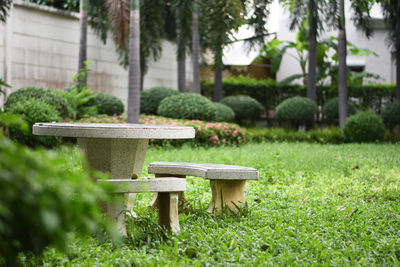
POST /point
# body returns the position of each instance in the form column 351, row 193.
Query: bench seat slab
column 205, row 170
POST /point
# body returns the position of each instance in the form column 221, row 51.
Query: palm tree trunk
column 398, row 73
column 134, row 63
column 312, row 54
column 182, row 74
column 181, row 58
column 195, row 52
column 342, row 68
column 218, row 93
column 83, row 37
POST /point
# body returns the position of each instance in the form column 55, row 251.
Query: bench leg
column 116, row 212
column 168, row 211
column 225, row 193
column 181, row 195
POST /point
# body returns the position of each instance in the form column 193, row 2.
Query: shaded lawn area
column 314, row 204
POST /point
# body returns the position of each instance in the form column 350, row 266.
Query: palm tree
column 83, row 21
column 391, row 13
column 220, row 19
column 342, row 68
column 182, row 10
column 195, row 49
column 134, row 63
column 316, row 13
column 144, row 40
column 361, row 18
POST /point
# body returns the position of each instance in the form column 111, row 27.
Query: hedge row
column 321, row 136
column 270, row 93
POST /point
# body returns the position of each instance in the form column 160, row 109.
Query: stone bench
column 167, row 189
column 227, row 181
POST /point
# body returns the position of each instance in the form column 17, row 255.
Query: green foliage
column 33, row 111
column 3, row 84
column 330, row 109
column 321, row 136
column 106, row 104
column 188, row 106
column 309, row 197
column 219, row 20
column 70, row 5
column 8, row 120
column 269, row 93
column 297, row 110
column 223, row 113
column 41, row 201
column 78, row 99
column 391, row 114
column 245, row 107
column 45, row 95
column 150, row 99
column 4, row 9
column 364, row 127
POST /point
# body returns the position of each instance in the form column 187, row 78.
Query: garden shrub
column 330, row 110
column 107, row 104
column 188, row 106
column 207, row 133
column 150, row 99
column 297, row 110
column 33, row 111
column 223, row 113
column 78, row 100
column 41, row 201
column 391, row 114
column 43, row 94
column 244, row 107
column 364, row 127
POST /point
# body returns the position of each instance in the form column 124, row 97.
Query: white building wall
column 39, row 46
column 381, row 65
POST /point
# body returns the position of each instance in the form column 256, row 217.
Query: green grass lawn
column 313, row 205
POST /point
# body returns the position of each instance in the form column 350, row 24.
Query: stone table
column 118, row 149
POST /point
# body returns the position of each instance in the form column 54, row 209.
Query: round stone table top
column 113, row 130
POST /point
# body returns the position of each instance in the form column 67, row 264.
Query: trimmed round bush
column 187, row 106
column 244, row 107
column 364, row 127
column 330, row 109
column 42, row 201
column 107, row 104
column 43, row 94
column 150, row 99
column 296, row 110
column 223, row 113
column 391, row 114
column 33, row 111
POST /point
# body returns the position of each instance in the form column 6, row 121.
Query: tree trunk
column 182, row 74
column 218, row 93
column 312, row 54
column 398, row 74
column 134, row 63
column 342, row 68
column 195, row 53
column 83, row 36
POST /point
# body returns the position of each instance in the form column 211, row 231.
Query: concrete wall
column 39, row 46
column 381, row 65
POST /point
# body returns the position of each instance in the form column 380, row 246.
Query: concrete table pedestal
column 117, row 149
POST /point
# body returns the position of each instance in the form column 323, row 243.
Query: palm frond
column 118, row 15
